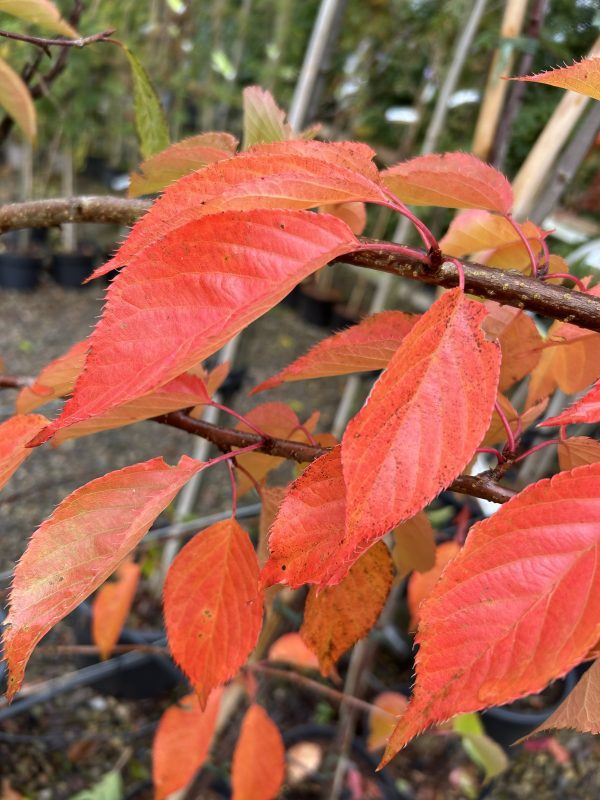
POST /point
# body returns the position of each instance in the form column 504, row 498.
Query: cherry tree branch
column 45, row 44
column 507, row 287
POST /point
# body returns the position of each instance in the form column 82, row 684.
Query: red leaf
column 361, row 348
column 451, row 180
column 308, row 533
column 582, row 76
column 586, row 409
column 423, row 419
column 519, row 339
column 213, row 606
column 174, row 766
column 194, row 290
column 292, row 175
column 517, row 607
column 56, row 380
column 179, row 159
column 258, row 760
column 74, row 551
column 290, row 648
column 14, row 435
column 336, row 618
column 581, row 709
column 111, row 606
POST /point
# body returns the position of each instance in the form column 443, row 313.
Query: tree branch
column 482, row 486
column 45, row 44
column 507, row 287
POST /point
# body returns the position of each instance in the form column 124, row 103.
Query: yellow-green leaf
column 39, row 12
column 150, row 120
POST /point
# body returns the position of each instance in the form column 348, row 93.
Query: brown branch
column 48, row 213
column 482, row 486
column 12, row 382
column 45, row 44
column 507, row 287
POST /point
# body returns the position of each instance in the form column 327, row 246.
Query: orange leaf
column 111, row 606
column 476, row 231
column 336, row 618
column 422, row 422
column 305, row 539
column 271, row 498
column 291, row 649
column 174, row 765
column 420, row 585
column 381, row 725
column 15, row 433
column 56, row 380
column 586, row 409
column 353, row 214
column 292, row 175
column 569, row 364
column 195, row 289
column 451, row 180
column 74, row 551
column 518, row 607
column 16, row 100
column 576, row 451
column 496, row 433
column 179, row 159
column 277, row 420
column 581, row 709
column 414, row 545
column 582, row 76
column 258, row 760
column 213, row 606
column 520, row 342
column 360, row 348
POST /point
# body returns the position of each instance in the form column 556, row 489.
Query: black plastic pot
column 19, row 272
column 151, row 675
column 505, row 724
column 316, row 306
column 71, row 269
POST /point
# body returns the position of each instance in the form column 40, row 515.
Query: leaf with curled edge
column 293, row 175
column 75, row 550
column 422, row 422
column 476, row 231
column 450, row 180
column 16, row 100
column 582, row 77
column 213, row 605
column 179, row 159
column 174, row 766
column 518, row 607
column 336, row 618
column 367, row 346
column 15, row 433
column 39, row 12
column 584, row 410
column 111, row 606
column 580, row 710
column 194, row 290
column 258, row 766
column 576, row 451
column 57, row 379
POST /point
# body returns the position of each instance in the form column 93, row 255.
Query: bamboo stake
column 496, row 88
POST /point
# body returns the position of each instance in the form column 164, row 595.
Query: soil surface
column 57, row 748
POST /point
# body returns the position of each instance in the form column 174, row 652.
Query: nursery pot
column 506, row 724
column 71, row 269
column 19, row 272
column 316, row 305
column 153, row 675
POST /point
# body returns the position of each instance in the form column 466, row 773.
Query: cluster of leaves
column 512, row 609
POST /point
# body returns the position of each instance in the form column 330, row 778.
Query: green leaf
column 16, row 100
column 39, row 12
column 149, row 116
column 109, row 788
column 482, row 750
column 264, row 121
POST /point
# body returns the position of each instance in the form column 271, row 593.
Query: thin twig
column 45, row 44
